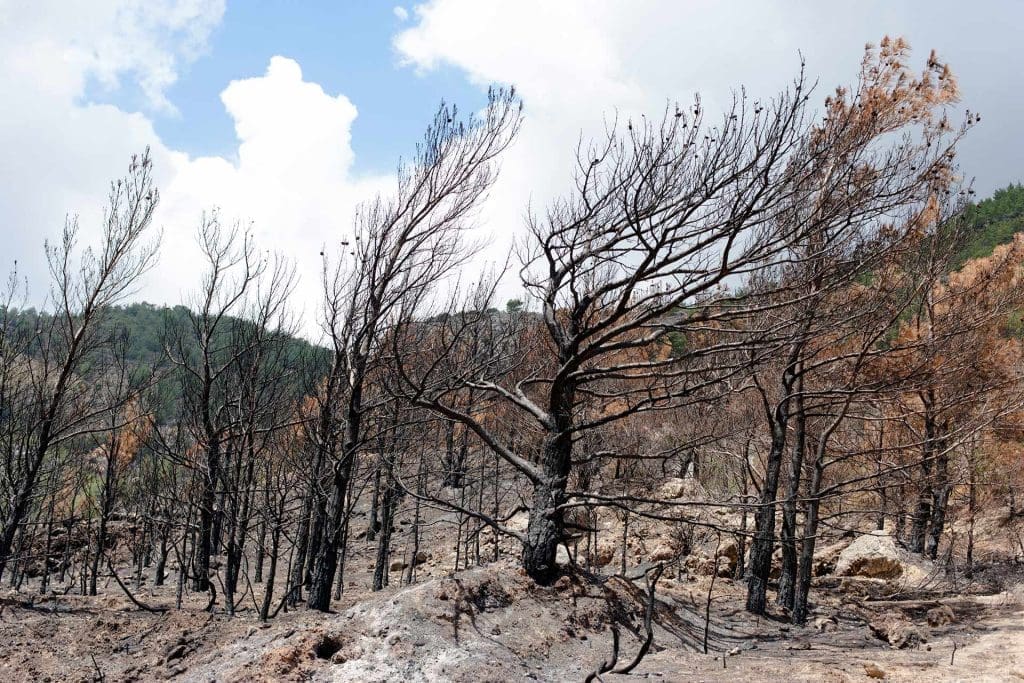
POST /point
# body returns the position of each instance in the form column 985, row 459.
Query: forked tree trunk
column 763, row 543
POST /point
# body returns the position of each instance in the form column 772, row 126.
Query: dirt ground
column 492, row 624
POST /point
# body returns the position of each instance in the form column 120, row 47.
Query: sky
column 285, row 114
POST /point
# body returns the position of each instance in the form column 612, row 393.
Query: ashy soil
column 493, row 624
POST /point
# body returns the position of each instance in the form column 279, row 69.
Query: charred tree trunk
column 374, row 526
column 268, row 593
column 546, row 526
column 207, row 518
column 326, row 558
column 389, row 501
column 787, row 578
column 940, row 500
column 544, row 532
column 763, row 543
column 923, row 511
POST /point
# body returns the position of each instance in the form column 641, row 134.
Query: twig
column 707, row 605
column 606, row 665
column 99, row 672
column 284, row 598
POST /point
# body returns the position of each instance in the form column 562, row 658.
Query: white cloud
column 574, row 62
column 55, row 47
column 293, row 178
column 291, row 175
column 62, row 151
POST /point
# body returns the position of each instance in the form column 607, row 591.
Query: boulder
column 895, row 629
column 705, row 566
column 728, row 555
column 661, row 553
column 825, row 558
column 874, row 671
column 873, row 555
column 826, row 624
column 940, row 616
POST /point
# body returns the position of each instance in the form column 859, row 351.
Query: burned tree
column 400, row 248
column 664, row 214
column 62, row 404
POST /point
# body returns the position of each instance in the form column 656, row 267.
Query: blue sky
column 345, row 46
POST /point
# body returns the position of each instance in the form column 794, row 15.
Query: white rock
column 874, row 555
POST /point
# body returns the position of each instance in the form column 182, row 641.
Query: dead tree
column 400, row 248
column 860, row 200
column 81, row 294
column 665, row 213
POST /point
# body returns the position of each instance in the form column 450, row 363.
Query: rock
column 728, row 554
column 874, row 671
column 661, row 553
column 825, row 624
column 398, row 565
column 422, row 557
column 874, row 555
column 825, row 558
column 518, row 521
column 563, row 583
column 896, row 630
column 605, row 553
column 176, row 652
column 940, row 616
column 675, row 488
column 562, row 555
column 701, row 566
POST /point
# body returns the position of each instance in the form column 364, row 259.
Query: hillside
column 145, row 325
column 761, row 417
column 993, row 221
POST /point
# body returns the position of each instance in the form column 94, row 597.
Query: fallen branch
column 100, row 678
column 135, row 601
column 607, row 665
column 284, row 598
column 652, row 580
